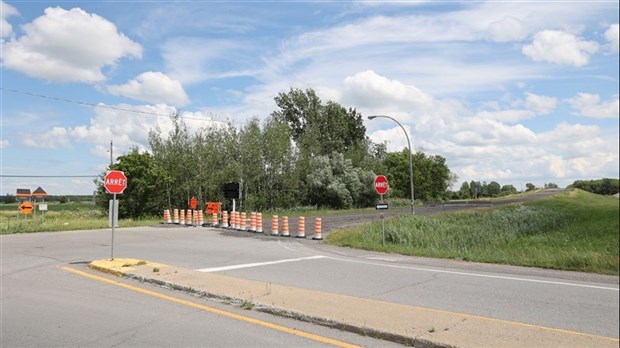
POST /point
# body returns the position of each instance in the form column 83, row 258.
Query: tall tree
column 317, row 128
column 508, row 190
column 431, row 176
column 146, row 182
column 494, row 189
column 465, row 191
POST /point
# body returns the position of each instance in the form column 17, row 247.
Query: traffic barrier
column 234, row 218
column 285, row 232
column 201, row 220
column 214, row 220
column 274, row 225
column 182, row 216
column 301, row 228
column 243, row 226
column 167, row 216
column 317, row 229
column 189, row 217
column 176, row 216
column 224, row 223
column 253, row 222
column 259, row 222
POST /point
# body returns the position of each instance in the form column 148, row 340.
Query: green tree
column 476, row 189
column 334, row 182
column 142, row 197
column 604, row 186
column 279, row 165
column 9, row 198
column 494, row 189
column 530, row 187
column 431, row 176
column 508, row 190
column 465, row 191
column 317, row 128
column 173, row 153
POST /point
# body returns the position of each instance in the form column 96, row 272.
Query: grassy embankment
column 575, row 231
column 60, row 217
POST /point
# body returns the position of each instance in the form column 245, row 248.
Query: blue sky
column 513, row 92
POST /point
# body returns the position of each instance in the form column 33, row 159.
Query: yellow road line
column 215, row 310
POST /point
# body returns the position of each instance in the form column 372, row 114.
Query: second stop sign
column 381, row 184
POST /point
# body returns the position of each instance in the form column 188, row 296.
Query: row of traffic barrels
column 239, row 221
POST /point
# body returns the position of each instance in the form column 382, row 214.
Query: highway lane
column 563, row 300
column 46, row 302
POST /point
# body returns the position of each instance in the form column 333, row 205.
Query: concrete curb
column 399, row 323
column 361, row 330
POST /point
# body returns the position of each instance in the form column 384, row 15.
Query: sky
column 509, row 91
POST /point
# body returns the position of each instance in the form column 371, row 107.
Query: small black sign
column 231, row 190
column 381, row 206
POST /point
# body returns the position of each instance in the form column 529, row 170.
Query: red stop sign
column 115, row 182
column 381, row 184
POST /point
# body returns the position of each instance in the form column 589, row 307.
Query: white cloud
column 68, row 45
column 541, row 105
column 153, row 87
column 4, row 144
column 125, row 128
column 506, row 115
column 485, row 145
column 534, row 105
column 590, row 105
column 507, row 29
column 56, row 138
column 611, row 35
column 6, row 11
column 560, row 47
column 368, row 88
column 192, row 60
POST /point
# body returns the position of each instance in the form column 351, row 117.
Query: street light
column 410, row 164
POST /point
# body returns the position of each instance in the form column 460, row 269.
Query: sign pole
column 382, row 226
column 113, row 223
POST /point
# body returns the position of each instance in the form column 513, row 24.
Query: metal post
column 410, row 162
column 113, row 223
column 382, row 226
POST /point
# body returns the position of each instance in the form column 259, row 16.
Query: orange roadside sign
column 193, row 203
column 213, row 207
column 26, row 208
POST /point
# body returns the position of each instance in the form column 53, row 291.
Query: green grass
column 61, row 217
column 576, row 231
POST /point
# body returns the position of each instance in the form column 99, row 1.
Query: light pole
column 410, row 164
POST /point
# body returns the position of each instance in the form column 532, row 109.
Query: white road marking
column 477, row 274
column 380, row 258
column 258, row 264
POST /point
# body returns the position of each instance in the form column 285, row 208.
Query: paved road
column 346, row 219
column 44, row 305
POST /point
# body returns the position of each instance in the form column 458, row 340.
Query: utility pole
column 111, row 154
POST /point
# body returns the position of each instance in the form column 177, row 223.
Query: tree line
column 605, row 186
column 305, row 153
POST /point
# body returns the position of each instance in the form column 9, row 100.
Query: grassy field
column 60, row 217
column 576, row 231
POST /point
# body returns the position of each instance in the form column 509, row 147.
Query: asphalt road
column 346, row 219
column 44, row 305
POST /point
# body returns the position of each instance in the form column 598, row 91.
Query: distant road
column 335, row 221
